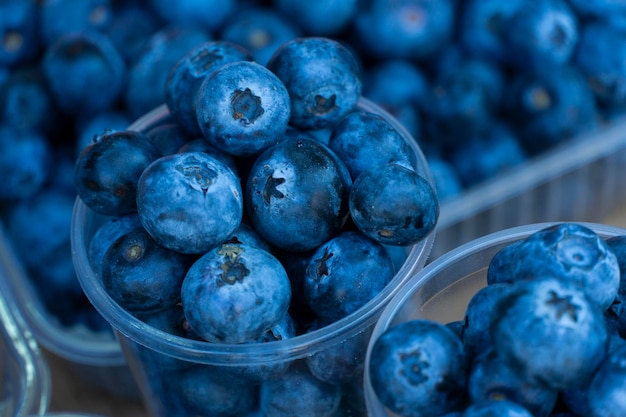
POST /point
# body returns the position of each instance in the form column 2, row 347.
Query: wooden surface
column 70, row 393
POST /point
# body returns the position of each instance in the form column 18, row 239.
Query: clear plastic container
column 155, row 356
column 442, row 290
column 579, row 180
column 96, row 358
column 24, row 377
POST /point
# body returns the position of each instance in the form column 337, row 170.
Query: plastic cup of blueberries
column 181, row 376
column 441, row 291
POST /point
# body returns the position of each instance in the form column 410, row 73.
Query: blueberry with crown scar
column 242, row 108
column 189, row 202
column 322, row 77
column 235, row 293
column 297, row 193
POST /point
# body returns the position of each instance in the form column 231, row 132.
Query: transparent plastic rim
column 439, row 266
column 228, row 354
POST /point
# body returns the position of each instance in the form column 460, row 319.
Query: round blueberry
column 19, row 36
column 322, row 78
column 362, row 140
column 25, row 163
column 186, row 76
column 297, row 193
column 242, row 108
column 345, row 273
column 189, row 202
column 204, row 390
column 393, row 205
column 210, row 14
column 235, row 293
column 85, row 72
column 141, row 275
column 107, row 171
column 549, row 332
column 409, row 29
column 418, row 368
column 298, row 393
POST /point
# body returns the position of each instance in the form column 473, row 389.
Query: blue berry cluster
column 268, row 203
column 544, row 338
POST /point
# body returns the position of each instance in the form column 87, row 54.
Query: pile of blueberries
column 280, row 213
column 481, row 84
column 544, row 338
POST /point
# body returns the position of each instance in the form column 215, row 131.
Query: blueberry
column 141, row 275
column 107, row 233
column 320, row 18
column 598, row 56
column 340, row 363
column 205, row 390
column 322, row 77
column 209, row 14
column 491, row 378
column 297, row 193
column 26, row 102
column 410, row 29
column 494, row 151
column 168, row 138
column 107, row 171
column 25, row 163
column 261, row 30
column 571, row 252
column 242, row 108
column 475, row 330
column 61, row 17
column 234, row 293
column 606, row 392
column 148, row 72
column 483, row 25
column 344, row 274
column 549, row 332
column 501, row 267
column 85, row 72
column 550, row 105
column 362, row 139
column 189, row 202
column 458, row 104
column 298, row 393
column 544, row 30
column 418, row 368
column 130, row 28
column 500, row 408
column 19, row 37
column 393, row 205
column 186, row 76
